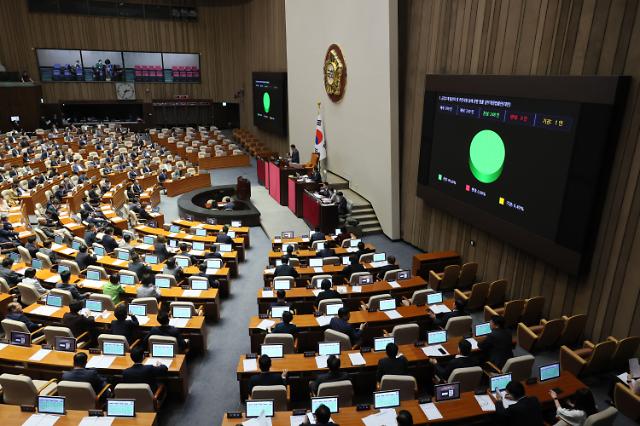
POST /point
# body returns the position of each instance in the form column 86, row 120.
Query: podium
column 316, row 213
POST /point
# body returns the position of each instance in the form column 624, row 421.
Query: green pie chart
column 486, row 156
column 266, row 102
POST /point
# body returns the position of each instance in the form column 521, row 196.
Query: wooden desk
column 303, row 298
column 208, row 163
column 116, row 177
column 11, row 415
column 241, row 231
column 277, row 182
column 148, row 180
column 116, row 196
column 436, row 261
column 308, row 254
column 151, row 196
column 318, row 214
column 305, row 273
column 186, row 184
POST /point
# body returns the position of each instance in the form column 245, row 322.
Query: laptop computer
column 328, row 348
column 379, row 257
column 36, row 264
column 110, row 347
column 274, row 351
column 277, row 311
column 225, row 248
column 121, row 407
column 549, row 371
column 258, row 407
column 331, row 402
column 447, row 391
column 65, row 344
column 386, row 399
column 197, row 246
column 162, row 282
column 51, row 405
column 436, row 337
column 123, row 255
column 482, row 329
column 333, row 308
column 163, row 350
column 499, row 382
column 53, row 300
column 137, row 310
column 380, row 343
column 181, row 312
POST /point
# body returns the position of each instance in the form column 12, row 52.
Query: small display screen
column 331, row 402
column 436, row 337
column 274, row 351
column 113, row 348
column 380, row 343
column 548, row 372
column 447, row 391
column 499, row 382
column 181, row 312
column 333, row 308
column 51, row 404
column 434, row 298
column 386, row 399
column 329, row 348
column 258, row 407
column 121, row 408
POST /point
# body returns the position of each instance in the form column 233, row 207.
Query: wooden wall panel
column 532, row 37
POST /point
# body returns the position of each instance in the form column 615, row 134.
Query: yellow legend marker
column 501, row 201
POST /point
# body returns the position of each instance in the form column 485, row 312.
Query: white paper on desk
column 250, row 364
column 197, row 252
column 316, row 291
column 92, row 283
column 44, row 310
column 342, row 289
column 173, row 235
column 356, row 358
column 323, row 320
column 101, row 361
column 191, row 293
column 164, row 361
column 267, row 293
column 505, row 401
column 142, row 320
column 56, row 246
column 439, row 309
column 352, row 249
column 143, row 246
column 318, row 269
column 53, row 279
column 211, row 271
column 20, row 271
column 379, row 264
column 39, row 356
column 68, row 251
column 265, row 324
column 474, row 343
column 96, row 421
column 41, row 420
column 386, row 417
column 356, row 289
column 269, row 271
column 179, row 322
column 3, row 345
column 431, row 411
column 305, row 239
column 393, row 314
column 623, row 377
column 258, row 421
column 434, row 350
column 485, row 402
column 119, row 262
column 297, row 420
column 321, row 361
column 394, row 284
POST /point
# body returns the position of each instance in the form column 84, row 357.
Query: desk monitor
column 436, row 337
column 285, row 246
column 99, row 251
column 236, row 223
column 15, row 256
column 174, row 229
column 149, row 240
column 329, row 348
column 112, row 347
column 365, row 279
column 163, row 350
column 65, row 344
column 137, row 310
column 315, row 262
column 482, row 329
column 51, row 405
column 181, row 312
column 151, row 259
column 121, row 407
column 337, row 232
column 346, row 261
column 274, row 351
column 93, row 305
column 126, row 279
column 197, row 246
column 320, row 246
column 201, row 232
column 200, row 284
column 231, row 234
column 331, row 402
column 287, row 234
column 53, row 300
column 173, row 243
column 123, row 255
column 403, row 275
column 62, row 268
column 182, row 262
column 58, row 239
column 278, row 262
column 93, row 275
column 333, row 308
column 75, row 245
column 258, row 407
column 20, row 338
column 387, row 304
column 353, row 243
column 379, row 257
column 36, row 264
column 277, row 311
column 319, row 282
column 214, row 263
column 380, row 343
column 499, row 382
column 162, row 282
column 225, row 248
column 434, row 298
column 549, row 371
column 447, row 391
column 386, row 399
column 281, row 284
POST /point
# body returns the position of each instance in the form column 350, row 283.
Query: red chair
column 183, row 73
column 138, row 73
column 158, row 73
column 175, row 74
column 188, row 73
column 196, row 73
column 146, row 73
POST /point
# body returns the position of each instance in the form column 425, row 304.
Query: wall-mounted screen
column 525, row 158
column 270, row 102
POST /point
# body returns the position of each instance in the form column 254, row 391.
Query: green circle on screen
column 486, row 156
column 266, row 102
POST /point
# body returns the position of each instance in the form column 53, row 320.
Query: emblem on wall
column 335, row 73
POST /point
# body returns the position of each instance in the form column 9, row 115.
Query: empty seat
column 532, row 311
column 511, row 312
column 51, row 332
column 374, row 301
column 284, row 339
column 404, row 334
column 146, row 401
column 445, row 281
column 459, row 326
column 276, row 392
column 336, row 336
column 475, row 298
column 469, row 378
column 28, row 294
column 590, row 359
column 80, row 395
column 573, row 329
column 605, row 417
column 418, row 298
column 497, row 293
column 539, row 337
column 625, row 349
column 626, row 401
column 519, row 367
column 22, row 390
column 467, row 275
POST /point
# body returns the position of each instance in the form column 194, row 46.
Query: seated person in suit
column 109, row 243
column 362, row 249
column 316, row 236
column 326, row 293
column 11, row 277
column 322, row 417
column 441, row 320
column 113, row 289
column 31, row 246
column 341, row 324
column 76, row 322
column 285, row 270
column 285, row 326
column 213, row 282
column 525, row 412
column 280, row 299
column 343, row 235
column 135, row 265
column 265, row 378
column 82, row 374
column 164, row 329
column 84, row 259
column 223, row 237
column 90, row 235
column 172, row 268
column 354, row 267
column 14, row 312
column 213, row 253
column 65, row 277
column 392, row 364
column 464, row 359
column 391, row 260
column 139, row 373
column 580, row 406
column 334, row 374
column 160, row 248
column 497, row 347
column 184, row 251
column 326, row 251
column 123, row 326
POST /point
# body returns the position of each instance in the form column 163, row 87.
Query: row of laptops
column 200, row 232
column 115, row 407
column 138, row 310
column 362, row 280
column 234, row 224
column 391, row 398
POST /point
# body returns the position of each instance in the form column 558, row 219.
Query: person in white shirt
column 30, row 278
column 580, row 406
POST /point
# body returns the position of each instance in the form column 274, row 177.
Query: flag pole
column 320, row 168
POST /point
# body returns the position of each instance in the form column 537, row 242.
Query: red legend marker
column 468, row 188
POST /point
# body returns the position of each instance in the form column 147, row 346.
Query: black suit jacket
column 316, row 236
column 525, row 412
column 85, row 259
column 391, row 366
column 281, row 327
column 285, row 270
column 327, row 294
column 170, row 331
column 109, row 243
column 445, row 370
column 497, row 347
column 126, row 328
column 139, row 373
column 442, row 319
column 139, row 268
column 160, row 250
column 350, row 269
column 338, row 324
column 326, row 252
column 88, row 375
column 78, row 324
column 265, row 379
column 328, row 378
column 89, row 238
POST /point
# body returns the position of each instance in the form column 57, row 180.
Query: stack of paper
column 394, row 284
column 435, row 350
column 39, row 356
column 356, row 289
column 211, row 271
column 323, row 320
column 382, row 418
column 96, row 421
column 164, row 361
column 44, row 310
column 321, row 361
column 191, row 293
column 142, row 320
column 41, row 420
column 439, row 309
column 265, row 324
column 249, row 364
column 92, row 283
column 68, row 251
column 318, row 269
column 269, row 271
column 267, row 293
column 474, row 343
column 485, row 402
column 20, row 271
column 379, row 264
column 179, row 322
column 100, row 361
column 356, row 358
column 431, row 411
column 393, row 314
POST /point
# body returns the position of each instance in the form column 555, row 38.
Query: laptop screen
column 274, row 351
column 354, row 243
column 98, row 251
column 93, row 275
column 138, row 310
column 201, row 232
column 162, row 282
column 346, row 261
column 379, row 257
column 278, row 262
column 197, row 245
column 53, row 300
column 112, row 348
column 329, row 348
column 225, row 248
column 182, row 262
column 127, row 279
column 315, row 262
column 380, row 343
column 151, row 259
column 387, row 304
column 62, row 268
column 338, row 231
column 482, row 329
column 51, row 404
column 173, row 243
column 286, row 246
column 231, row 234
column 93, row 305
column 148, row 239
column 199, row 284
column 320, row 246
column 123, row 254
column 436, row 337
column 433, row 298
column 214, row 263
column 499, row 382
column 281, row 284
column 549, row 371
column 331, row 402
column 14, row 256
column 65, row 344
column 277, row 311
column 162, row 350
column 121, row 407
column 447, row 391
column 386, row 399
column 333, row 308
column 19, row 338
column 181, row 312
column 75, row 245
column 403, row 275
column 36, row 263
column 319, row 282
column 58, row 239
column 257, row 407
column 174, row 229
column 236, row 223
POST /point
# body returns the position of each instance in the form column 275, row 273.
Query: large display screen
column 525, row 158
column 270, row 102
